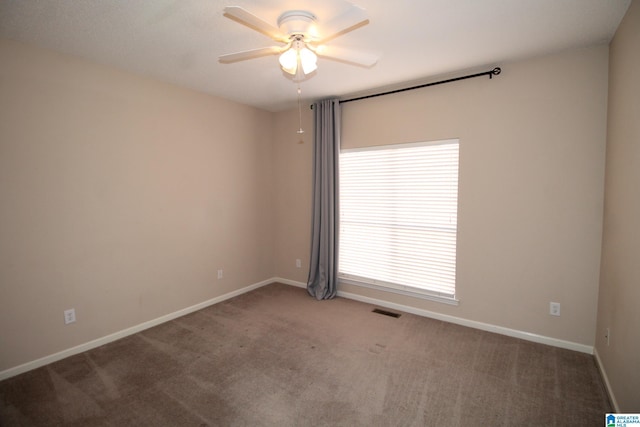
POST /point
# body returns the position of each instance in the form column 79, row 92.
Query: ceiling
column 179, row 41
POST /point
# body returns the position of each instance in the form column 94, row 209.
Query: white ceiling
column 179, row 41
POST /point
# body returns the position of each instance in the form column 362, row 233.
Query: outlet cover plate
column 69, row 316
column 554, row 308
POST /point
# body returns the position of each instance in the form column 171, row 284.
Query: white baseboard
column 8, row 373
column 607, row 384
column 459, row 321
column 290, row 282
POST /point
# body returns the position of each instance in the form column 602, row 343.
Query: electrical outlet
column 69, row 316
column 219, row 274
column 607, row 335
column 298, row 263
column 554, row 308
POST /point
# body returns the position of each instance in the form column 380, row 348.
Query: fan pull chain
column 299, row 131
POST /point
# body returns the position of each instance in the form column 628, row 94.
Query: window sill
column 405, row 290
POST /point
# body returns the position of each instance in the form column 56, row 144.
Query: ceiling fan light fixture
column 298, row 58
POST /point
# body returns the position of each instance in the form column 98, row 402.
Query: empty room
column 294, row 213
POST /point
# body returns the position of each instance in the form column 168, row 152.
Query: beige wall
column 619, row 300
column 120, row 197
column 292, row 178
column 531, row 188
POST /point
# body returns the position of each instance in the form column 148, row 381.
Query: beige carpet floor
column 277, row 357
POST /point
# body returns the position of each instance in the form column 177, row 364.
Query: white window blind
column 398, row 216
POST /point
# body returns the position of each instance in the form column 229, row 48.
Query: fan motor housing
column 296, row 22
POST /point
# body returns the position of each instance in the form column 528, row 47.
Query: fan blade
column 250, row 54
column 341, row 24
column 347, row 55
column 244, row 17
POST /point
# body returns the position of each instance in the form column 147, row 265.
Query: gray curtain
column 323, row 270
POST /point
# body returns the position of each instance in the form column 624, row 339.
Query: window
column 398, row 218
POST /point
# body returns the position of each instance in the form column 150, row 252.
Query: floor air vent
column 386, row 313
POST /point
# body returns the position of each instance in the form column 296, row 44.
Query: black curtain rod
column 490, row 73
column 496, row 71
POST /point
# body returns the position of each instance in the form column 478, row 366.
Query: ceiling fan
column 303, row 39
